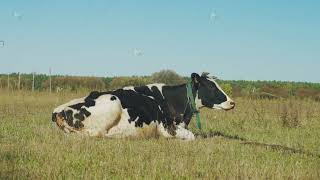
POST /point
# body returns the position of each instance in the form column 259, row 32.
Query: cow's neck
column 178, row 99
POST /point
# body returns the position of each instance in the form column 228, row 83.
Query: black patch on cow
column 209, row 93
column 139, row 107
column 68, row 117
column 78, row 124
column 176, row 97
column 54, row 117
column 63, row 114
column 88, row 101
column 93, row 95
column 155, row 92
column 113, row 98
column 138, row 124
column 77, row 106
column 144, row 90
column 139, row 104
column 79, row 116
column 85, row 112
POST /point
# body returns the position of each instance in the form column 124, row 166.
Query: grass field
column 31, row 148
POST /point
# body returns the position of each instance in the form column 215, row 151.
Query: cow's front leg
column 176, row 131
column 183, row 133
column 167, row 132
column 187, row 116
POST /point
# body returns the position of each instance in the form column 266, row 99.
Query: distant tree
column 169, row 77
column 107, row 81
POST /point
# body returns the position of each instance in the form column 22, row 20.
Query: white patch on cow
column 158, row 85
column 70, row 103
column 182, row 125
column 128, row 129
column 150, row 97
column 73, row 113
column 225, row 105
column 198, row 101
column 104, row 115
column 129, row 88
column 184, row 134
column 124, row 127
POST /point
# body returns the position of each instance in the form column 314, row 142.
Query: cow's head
column 209, row 93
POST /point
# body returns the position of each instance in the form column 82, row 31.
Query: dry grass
column 31, row 148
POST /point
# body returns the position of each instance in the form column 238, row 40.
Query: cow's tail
column 58, row 119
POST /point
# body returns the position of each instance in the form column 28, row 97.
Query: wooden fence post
column 33, row 81
column 19, row 81
column 8, row 81
column 50, row 80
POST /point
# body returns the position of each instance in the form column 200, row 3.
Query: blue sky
column 249, row 39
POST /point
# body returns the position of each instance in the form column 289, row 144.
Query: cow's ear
column 205, row 74
column 195, row 77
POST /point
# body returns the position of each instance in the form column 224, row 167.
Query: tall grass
column 31, row 148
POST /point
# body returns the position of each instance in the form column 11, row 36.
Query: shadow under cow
column 244, row 141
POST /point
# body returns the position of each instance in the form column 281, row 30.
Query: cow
column 128, row 111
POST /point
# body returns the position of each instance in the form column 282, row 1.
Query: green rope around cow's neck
column 192, row 104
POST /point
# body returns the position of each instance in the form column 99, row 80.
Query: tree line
column 237, row 88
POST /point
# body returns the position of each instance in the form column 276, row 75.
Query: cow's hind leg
column 123, row 128
column 104, row 115
column 61, row 120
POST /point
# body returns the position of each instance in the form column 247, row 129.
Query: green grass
column 31, row 148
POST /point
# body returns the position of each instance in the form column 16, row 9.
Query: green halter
column 193, row 104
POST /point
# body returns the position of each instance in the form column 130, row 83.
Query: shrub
column 119, row 82
column 168, row 77
column 290, row 115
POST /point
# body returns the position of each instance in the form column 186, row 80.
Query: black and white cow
column 126, row 112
